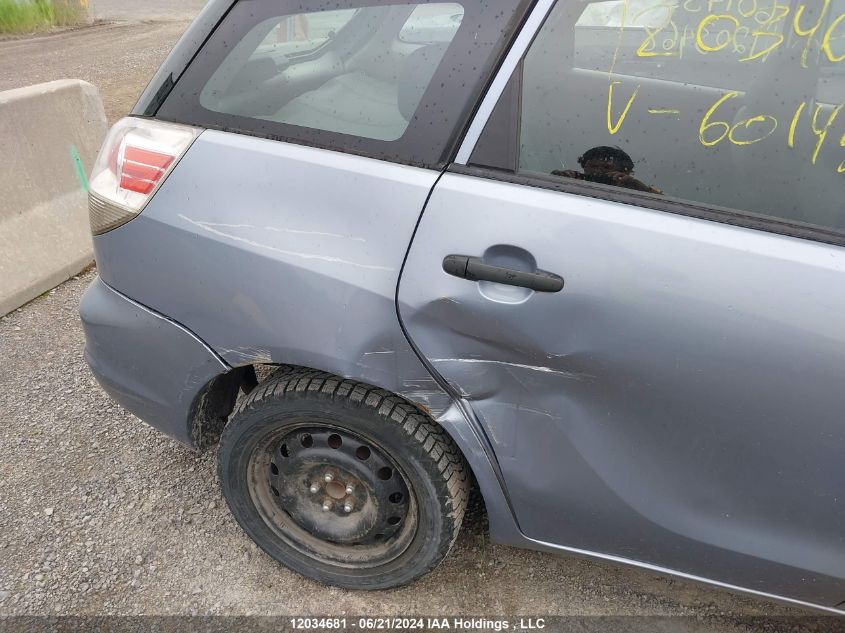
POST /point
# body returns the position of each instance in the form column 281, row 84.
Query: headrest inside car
column 417, row 71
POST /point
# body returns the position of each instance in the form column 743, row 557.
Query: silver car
column 584, row 257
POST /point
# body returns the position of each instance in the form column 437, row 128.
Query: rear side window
column 715, row 104
column 385, row 79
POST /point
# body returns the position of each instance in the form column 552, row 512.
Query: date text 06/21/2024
column 419, row 623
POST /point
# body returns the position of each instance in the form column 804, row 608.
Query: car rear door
column 678, row 403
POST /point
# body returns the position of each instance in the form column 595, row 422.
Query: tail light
column 135, row 160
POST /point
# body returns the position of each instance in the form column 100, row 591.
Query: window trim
column 720, row 215
column 504, row 126
column 527, row 32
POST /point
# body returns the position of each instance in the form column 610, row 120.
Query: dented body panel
column 281, row 269
column 677, row 404
column 303, row 274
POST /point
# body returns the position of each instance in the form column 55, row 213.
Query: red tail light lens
column 135, row 160
column 142, row 169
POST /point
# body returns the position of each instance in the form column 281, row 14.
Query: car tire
column 345, row 483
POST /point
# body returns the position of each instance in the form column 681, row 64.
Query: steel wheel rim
column 368, row 525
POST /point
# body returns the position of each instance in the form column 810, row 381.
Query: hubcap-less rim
column 333, row 495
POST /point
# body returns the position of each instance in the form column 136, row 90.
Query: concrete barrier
column 49, row 136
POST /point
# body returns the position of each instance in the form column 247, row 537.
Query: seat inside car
column 362, row 103
column 363, row 80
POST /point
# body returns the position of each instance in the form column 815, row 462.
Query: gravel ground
column 146, row 10
column 99, row 514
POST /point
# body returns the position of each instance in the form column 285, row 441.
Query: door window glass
column 730, row 104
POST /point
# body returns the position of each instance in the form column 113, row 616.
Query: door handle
column 474, row 269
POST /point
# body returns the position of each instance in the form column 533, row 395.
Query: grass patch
column 27, row 16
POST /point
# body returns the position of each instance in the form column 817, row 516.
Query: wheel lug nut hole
column 384, row 473
column 394, row 520
column 362, row 453
column 336, row 490
column 283, row 449
column 396, row 497
column 274, row 469
column 335, row 441
column 306, row 440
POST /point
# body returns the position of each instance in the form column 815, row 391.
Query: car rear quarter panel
column 275, row 253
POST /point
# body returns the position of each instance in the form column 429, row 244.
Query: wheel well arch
column 217, row 400
column 214, row 404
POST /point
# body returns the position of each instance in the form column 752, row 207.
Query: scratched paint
column 210, row 227
column 545, row 370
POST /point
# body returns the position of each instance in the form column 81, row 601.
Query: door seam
column 464, row 407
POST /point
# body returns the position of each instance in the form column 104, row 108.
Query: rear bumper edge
column 152, row 366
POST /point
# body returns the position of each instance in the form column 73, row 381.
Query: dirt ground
column 99, row 514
